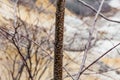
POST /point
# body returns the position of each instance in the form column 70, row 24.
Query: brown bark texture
column 59, row 31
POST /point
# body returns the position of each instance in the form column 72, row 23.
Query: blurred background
column 27, row 39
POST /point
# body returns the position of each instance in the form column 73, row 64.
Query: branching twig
column 99, row 58
column 92, row 8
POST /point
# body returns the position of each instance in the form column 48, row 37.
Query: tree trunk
column 59, row 31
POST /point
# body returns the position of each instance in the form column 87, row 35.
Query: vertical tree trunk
column 59, row 31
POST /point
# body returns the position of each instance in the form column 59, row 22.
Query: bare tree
column 29, row 48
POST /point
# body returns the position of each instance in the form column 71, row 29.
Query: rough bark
column 59, row 31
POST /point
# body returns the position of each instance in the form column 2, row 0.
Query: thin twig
column 68, row 73
column 99, row 58
column 92, row 8
column 89, row 41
